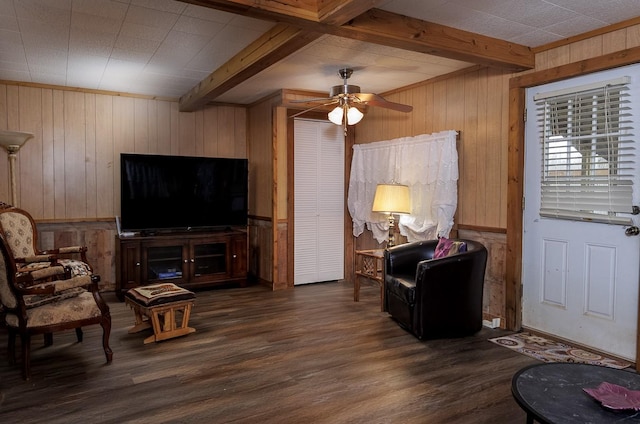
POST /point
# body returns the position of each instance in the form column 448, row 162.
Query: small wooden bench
column 159, row 306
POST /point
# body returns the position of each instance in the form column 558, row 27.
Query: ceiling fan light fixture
column 354, row 116
column 336, row 115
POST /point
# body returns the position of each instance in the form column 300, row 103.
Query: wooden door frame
column 515, row 171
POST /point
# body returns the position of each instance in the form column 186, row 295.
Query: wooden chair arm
column 44, row 257
column 30, row 278
column 65, row 250
column 56, row 286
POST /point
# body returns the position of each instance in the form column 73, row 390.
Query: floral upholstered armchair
column 19, row 231
column 45, row 301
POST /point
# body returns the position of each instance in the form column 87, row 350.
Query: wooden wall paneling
column 261, row 150
column 439, row 106
column 471, row 197
column 585, row 49
column 4, row 107
column 152, row 126
column 13, row 112
column 59, row 202
column 13, row 124
column 280, row 162
column 30, row 173
column 504, row 164
column 485, row 163
column 140, row 125
column 199, row 133
column 240, row 132
column 91, row 156
column 174, row 130
column 164, row 127
column 75, row 172
column 260, row 250
column 47, row 191
column 614, row 41
column 281, row 279
column 226, row 133
column 493, row 291
column 455, row 103
column 493, row 106
column 186, row 133
column 4, row 157
column 123, row 138
column 399, row 121
column 632, row 36
column 420, row 117
column 97, row 236
column 452, row 103
column 209, row 127
column 107, row 160
column 557, row 57
column 363, row 131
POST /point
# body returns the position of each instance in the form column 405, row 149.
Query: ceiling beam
column 394, row 30
column 387, row 28
column 276, row 44
column 355, row 19
column 330, row 12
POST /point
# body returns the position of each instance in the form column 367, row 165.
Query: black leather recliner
column 435, row 298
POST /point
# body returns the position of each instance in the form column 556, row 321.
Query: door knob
column 632, row 231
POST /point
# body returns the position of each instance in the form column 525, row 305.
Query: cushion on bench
column 158, row 294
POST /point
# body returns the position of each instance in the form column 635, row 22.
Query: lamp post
column 391, row 199
column 12, row 141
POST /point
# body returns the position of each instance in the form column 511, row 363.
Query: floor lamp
column 391, row 199
column 12, row 141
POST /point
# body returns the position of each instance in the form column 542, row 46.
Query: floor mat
column 551, row 351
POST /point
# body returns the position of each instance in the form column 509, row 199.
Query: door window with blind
column 588, row 152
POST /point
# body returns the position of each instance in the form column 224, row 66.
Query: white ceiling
column 164, row 47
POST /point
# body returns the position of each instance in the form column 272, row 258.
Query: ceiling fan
column 347, row 97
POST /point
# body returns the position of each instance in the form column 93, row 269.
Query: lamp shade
column 12, row 141
column 336, row 115
column 392, row 198
column 354, row 116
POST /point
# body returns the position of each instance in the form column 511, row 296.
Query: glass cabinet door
column 209, row 259
column 164, row 262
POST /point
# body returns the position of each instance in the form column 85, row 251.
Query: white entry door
column 318, row 201
column 580, row 279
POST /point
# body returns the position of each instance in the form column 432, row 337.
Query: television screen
column 182, row 192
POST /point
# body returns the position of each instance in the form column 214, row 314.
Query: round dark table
column 552, row 393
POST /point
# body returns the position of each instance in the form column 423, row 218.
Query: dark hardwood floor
column 306, row 355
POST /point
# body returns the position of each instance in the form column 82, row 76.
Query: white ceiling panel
column 165, row 47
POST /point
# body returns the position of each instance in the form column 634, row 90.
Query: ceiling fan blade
column 315, row 107
column 376, row 100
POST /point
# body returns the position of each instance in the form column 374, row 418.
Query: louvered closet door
column 318, row 202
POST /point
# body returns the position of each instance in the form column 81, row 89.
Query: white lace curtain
column 427, row 163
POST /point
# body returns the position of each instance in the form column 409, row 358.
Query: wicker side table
column 370, row 265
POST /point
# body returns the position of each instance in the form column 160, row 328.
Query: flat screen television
column 161, row 192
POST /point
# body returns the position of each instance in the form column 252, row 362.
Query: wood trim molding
column 589, row 34
column 481, row 229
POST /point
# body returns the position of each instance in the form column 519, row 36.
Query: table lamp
column 391, row 199
column 12, row 141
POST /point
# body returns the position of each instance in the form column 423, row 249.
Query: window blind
column 588, row 153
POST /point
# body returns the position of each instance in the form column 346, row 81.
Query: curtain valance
column 427, row 163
